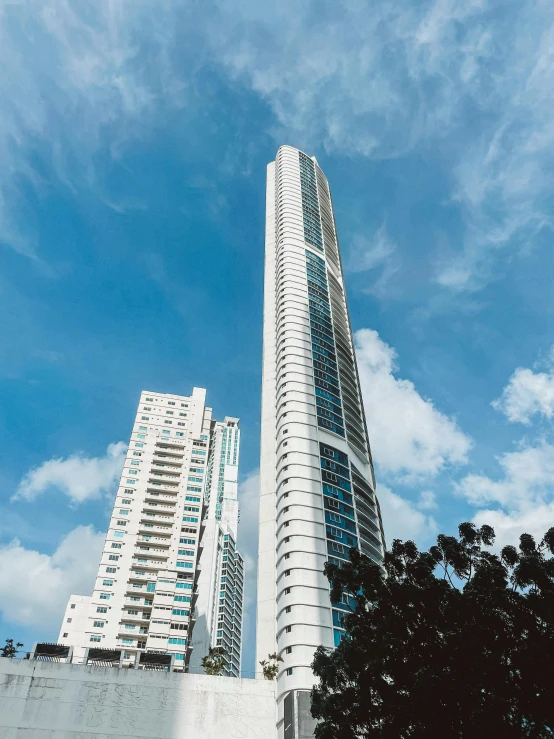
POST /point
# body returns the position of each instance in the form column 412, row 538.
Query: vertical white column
column 265, row 617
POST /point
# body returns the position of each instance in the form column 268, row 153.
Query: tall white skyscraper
column 170, row 578
column 317, row 487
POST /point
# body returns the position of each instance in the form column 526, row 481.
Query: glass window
column 107, row 582
column 143, row 428
column 116, row 546
column 111, row 569
column 95, row 637
column 139, row 444
column 98, row 624
column 101, row 609
column 119, row 534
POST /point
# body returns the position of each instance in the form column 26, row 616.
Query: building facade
column 171, row 541
column 317, row 486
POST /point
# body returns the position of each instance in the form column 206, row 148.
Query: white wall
column 47, row 700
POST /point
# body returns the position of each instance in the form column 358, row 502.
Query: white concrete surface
column 48, row 700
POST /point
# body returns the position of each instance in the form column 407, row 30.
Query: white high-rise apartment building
column 170, row 578
column 317, row 487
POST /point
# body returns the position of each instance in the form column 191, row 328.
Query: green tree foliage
column 10, row 649
column 214, row 662
column 452, row 642
column 270, row 666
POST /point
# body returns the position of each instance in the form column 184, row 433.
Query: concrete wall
column 48, row 700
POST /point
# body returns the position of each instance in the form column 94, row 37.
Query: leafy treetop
column 451, row 642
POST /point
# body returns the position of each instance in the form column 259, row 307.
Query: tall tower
column 170, row 578
column 317, row 486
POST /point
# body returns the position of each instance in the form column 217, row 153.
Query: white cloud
column 526, row 394
column 528, row 479
column 508, row 527
column 249, row 491
column 402, row 519
column 34, row 587
column 521, row 500
column 79, row 477
column 408, row 434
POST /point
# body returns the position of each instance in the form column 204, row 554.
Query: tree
column 214, row 662
column 9, row 650
column 452, row 642
column 270, row 666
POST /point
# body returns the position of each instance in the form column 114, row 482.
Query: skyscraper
column 317, row 486
column 170, row 578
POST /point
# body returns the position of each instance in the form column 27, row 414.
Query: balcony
column 160, row 497
column 137, row 619
column 157, row 517
column 159, row 507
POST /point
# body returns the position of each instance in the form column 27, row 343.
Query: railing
column 141, row 660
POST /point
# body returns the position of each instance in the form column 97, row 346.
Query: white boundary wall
column 49, row 700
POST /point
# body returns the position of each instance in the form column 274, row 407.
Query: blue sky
column 133, row 142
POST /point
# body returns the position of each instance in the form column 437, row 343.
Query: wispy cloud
column 377, row 256
column 79, row 80
column 247, row 544
column 79, row 477
column 470, row 80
